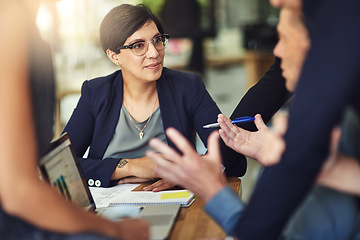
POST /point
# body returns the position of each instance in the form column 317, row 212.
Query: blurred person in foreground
column 293, row 52
column 31, row 208
column 328, row 85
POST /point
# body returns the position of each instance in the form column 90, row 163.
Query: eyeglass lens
column 141, row 48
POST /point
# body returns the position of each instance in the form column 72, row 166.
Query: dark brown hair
column 122, row 21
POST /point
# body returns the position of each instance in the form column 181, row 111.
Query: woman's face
column 145, row 68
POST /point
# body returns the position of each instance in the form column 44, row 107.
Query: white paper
column 103, row 196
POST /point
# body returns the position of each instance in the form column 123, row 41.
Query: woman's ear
column 112, row 56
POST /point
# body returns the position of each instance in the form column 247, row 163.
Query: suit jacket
column 184, row 103
column 266, row 97
column 329, row 82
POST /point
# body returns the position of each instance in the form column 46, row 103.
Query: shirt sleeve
column 226, row 215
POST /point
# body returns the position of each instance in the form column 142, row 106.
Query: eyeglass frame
column 131, row 46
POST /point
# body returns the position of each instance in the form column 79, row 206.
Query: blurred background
column 228, row 42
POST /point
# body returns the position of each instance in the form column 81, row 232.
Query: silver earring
column 117, row 63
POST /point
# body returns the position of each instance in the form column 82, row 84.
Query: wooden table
column 194, row 223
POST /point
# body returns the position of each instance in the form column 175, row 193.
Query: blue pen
column 237, row 120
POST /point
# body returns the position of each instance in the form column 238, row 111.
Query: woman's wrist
column 122, row 169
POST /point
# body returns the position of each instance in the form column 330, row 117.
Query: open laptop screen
column 61, row 168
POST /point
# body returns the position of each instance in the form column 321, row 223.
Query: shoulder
column 104, row 82
column 101, row 90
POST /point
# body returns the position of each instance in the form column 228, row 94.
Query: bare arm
column 21, row 190
column 140, row 167
column 342, row 175
column 140, row 170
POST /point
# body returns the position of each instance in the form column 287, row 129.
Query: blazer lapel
column 110, row 117
column 168, row 107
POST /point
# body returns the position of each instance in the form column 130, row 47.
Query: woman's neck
column 136, row 92
column 140, row 100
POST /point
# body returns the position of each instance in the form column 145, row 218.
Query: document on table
column 123, row 195
column 103, row 196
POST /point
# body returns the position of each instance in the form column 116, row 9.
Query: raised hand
column 273, row 142
column 200, row 174
column 241, row 140
column 264, row 145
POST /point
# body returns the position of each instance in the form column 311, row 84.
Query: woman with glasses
column 118, row 114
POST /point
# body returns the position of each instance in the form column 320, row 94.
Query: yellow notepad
column 172, row 195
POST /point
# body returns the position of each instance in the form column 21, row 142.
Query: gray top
column 126, row 142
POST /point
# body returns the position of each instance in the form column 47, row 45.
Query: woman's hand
column 141, row 168
column 134, row 180
column 159, row 186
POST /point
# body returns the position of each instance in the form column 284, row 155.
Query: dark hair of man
column 122, row 21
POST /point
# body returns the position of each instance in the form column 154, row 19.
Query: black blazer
column 184, row 102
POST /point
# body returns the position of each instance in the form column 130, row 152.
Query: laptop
column 61, row 168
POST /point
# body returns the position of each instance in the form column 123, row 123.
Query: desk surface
column 194, row 223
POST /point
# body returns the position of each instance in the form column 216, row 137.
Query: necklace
column 141, row 133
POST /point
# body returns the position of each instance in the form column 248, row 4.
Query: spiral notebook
column 182, row 197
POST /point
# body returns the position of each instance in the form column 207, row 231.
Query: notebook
column 125, row 194
column 61, row 168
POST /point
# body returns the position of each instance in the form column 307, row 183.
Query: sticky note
column 171, row 195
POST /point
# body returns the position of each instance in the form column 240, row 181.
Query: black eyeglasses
column 141, row 47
